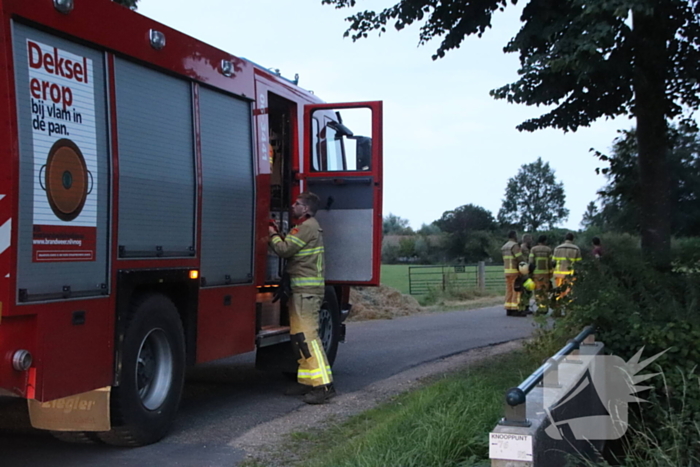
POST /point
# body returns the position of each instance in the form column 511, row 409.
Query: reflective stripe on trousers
column 303, row 317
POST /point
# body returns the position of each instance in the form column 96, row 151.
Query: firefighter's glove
column 284, row 291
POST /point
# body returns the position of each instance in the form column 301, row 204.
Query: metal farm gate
column 421, row 279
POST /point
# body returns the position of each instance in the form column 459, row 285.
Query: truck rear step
column 271, row 335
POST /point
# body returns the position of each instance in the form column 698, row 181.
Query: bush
column 634, row 306
column 685, row 254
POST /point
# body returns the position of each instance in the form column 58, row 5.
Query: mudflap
column 88, row 411
column 279, row 357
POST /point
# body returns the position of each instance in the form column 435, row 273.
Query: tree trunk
column 650, row 111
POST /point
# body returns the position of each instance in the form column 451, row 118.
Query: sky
column 446, row 141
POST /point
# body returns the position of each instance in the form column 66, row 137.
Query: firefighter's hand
column 272, row 227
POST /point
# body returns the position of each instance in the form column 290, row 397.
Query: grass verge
column 445, row 423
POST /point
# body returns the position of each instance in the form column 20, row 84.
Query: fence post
column 481, row 276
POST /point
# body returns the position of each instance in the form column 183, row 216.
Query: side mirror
column 363, row 152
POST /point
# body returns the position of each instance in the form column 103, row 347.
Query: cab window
column 339, row 141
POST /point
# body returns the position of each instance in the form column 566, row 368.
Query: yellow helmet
column 524, row 268
column 529, row 285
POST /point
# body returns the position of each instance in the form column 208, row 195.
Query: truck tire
column 76, row 437
column 144, row 404
column 329, row 324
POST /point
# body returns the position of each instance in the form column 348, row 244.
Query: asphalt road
column 226, row 398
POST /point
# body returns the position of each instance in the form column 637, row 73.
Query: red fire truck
column 141, row 168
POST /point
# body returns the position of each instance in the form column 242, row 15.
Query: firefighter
column 511, row 258
column 303, row 249
column 541, row 258
column 525, row 246
column 564, row 257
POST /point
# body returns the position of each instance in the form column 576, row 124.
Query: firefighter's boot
column 320, row 394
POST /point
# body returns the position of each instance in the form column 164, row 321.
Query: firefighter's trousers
column 564, row 283
column 543, row 282
column 512, row 297
column 314, row 369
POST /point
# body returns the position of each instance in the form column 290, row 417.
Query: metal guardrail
column 421, row 279
column 516, row 413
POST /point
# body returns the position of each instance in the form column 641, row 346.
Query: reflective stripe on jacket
column 303, row 248
column 511, row 257
column 541, row 257
column 565, row 255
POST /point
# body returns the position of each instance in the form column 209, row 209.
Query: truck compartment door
column 342, row 164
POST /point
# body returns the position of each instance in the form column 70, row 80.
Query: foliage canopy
column 395, row 225
column 534, row 198
column 467, row 232
column 621, row 198
column 466, row 218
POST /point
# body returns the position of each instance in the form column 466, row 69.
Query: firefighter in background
column 511, row 258
column 303, row 249
column 525, row 246
column 541, row 258
column 564, row 257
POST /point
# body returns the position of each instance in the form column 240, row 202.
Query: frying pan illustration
column 66, row 179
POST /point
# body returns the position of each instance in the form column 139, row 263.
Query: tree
column 466, row 231
column 587, row 59
column 395, row 225
column 591, row 217
column 407, row 247
column 131, row 4
column 622, row 198
column 534, row 198
column 466, row 218
column 429, row 229
column 477, row 246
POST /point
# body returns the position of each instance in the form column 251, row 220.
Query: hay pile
column 381, row 302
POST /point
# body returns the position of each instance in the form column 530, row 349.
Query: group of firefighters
column 530, row 269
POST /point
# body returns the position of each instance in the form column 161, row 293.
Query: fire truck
column 140, row 171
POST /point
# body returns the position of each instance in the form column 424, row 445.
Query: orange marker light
column 194, row 274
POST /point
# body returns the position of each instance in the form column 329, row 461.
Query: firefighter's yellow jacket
column 303, row 249
column 541, row 257
column 511, row 257
column 565, row 255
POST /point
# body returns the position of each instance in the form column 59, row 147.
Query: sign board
column 508, row 446
column 62, row 98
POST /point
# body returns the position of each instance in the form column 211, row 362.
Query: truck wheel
column 329, row 324
column 144, row 404
column 76, row 437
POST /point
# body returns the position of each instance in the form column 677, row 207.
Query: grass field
column 397, row 276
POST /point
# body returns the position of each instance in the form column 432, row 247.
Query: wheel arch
column 174, row 284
